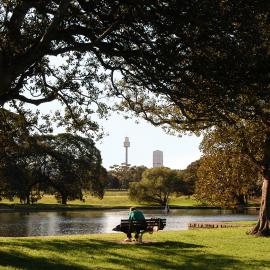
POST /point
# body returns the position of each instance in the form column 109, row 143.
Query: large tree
column 226, row 179
column 69, row 164
column 18, row 179
column 220, row 78
column 231, row 163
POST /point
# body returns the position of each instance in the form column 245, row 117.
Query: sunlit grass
column 244, row 222
column 111, row 199
column 184, row 201
column 216, row 249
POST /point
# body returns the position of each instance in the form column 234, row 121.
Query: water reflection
column 85, row 222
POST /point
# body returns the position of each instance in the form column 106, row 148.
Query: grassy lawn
column 111, row 199
column 216, row 249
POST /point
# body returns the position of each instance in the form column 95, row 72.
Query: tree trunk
column 28, row 199
column 64, row 199
column 262, row 228
column 241, row 200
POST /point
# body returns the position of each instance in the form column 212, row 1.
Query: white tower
column 157, row 159
column 126, row 145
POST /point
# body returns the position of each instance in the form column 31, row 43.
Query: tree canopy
column 190, row 176
column 226, row 180
column 72, row 165
column 219, row 67
column 126, row 174
column 69, row 164
column 230, row 166
column 209, row 58
column 157, row 185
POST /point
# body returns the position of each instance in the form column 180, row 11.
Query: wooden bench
column 149, row 225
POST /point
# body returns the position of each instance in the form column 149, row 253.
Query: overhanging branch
column 37, row 101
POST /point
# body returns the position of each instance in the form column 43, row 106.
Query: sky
column 178, row 152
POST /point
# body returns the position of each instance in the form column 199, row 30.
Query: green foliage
column 226, row 180
column 219, row 53
column 68, row 163
column 72, row 165
column 157, row 185
column 126, row 174
column 226, row 176
column 19, row 180
column 190, row 177
column 186, row 65
column 17, row 158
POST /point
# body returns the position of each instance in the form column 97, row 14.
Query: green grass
column 184, row 201
column 255, row 202
column 244, row 222
column 111, row 199
column 216, row 249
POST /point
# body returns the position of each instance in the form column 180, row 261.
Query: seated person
column 135, row 214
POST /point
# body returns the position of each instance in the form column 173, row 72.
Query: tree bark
column 262, row 228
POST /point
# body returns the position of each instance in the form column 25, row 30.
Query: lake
column 103, row 221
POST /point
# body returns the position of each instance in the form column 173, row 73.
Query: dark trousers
column 137, row 231
column 136, row 236
column 128, row 232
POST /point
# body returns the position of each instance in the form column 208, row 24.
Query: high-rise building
column 157, row 159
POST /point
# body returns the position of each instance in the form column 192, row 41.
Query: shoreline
column 38, row 208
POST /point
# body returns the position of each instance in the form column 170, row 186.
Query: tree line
column 221, row 177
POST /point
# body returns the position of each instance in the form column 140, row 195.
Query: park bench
column 149, row 225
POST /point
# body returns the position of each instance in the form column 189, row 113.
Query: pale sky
column 178, row 152
column 144, row 138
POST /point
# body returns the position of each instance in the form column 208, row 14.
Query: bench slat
column 150, row 223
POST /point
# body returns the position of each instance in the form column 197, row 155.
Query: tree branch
column 37, row 102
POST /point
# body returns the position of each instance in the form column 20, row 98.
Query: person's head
column 132, row 208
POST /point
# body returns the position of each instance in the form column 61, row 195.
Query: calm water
column 85, row 222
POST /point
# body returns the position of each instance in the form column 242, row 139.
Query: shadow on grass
column 54, row 254
column 21, row 260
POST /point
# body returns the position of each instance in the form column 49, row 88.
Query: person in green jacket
column 135, row 214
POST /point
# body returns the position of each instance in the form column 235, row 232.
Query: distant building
column 126, row 145
column 157, row 159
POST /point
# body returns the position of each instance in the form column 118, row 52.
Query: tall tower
column 126, row 145
column 157, row 159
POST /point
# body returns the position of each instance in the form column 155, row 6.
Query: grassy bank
column 216, row 249
column 111, row 199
